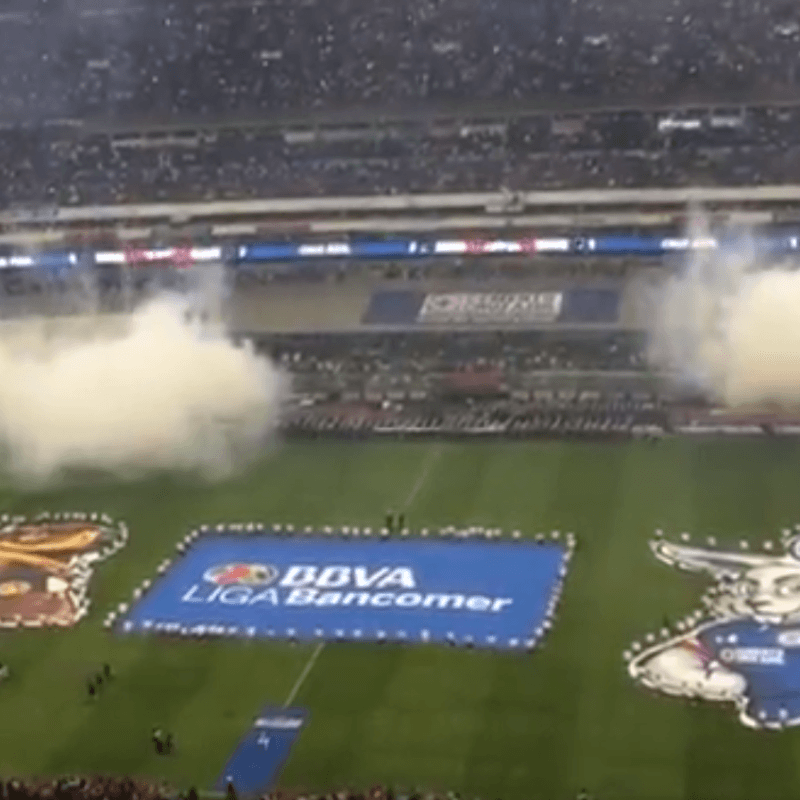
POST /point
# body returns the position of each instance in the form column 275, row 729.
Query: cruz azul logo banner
column 486, row 593
column 743, row 649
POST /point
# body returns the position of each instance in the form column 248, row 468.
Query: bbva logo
column 241, row 574
column 299, row 576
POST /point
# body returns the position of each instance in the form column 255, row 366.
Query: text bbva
column 387, row 587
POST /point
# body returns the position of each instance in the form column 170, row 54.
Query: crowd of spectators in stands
column 229, row 61
column 374, row 793
column 483, row 383
column 55, row 167
column 212, row 59
column 86, row 788
column 129, row 789
column 603, row 419
column 111, row 788
column 108, row 282
column 484, row 268
column 379, row 793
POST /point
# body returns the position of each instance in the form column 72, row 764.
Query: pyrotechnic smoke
column 153, row 391
column 729, row 325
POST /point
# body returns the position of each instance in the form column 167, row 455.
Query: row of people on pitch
column 462, row 419
column 426, row 352
column 95, row 684
column 163, row 742
column 395, row 522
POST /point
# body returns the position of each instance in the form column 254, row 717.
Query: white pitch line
column 304, row 674
column 431, row 457
column 433, row 454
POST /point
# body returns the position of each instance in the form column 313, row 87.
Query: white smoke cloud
column 729, row 325
column 151, row 391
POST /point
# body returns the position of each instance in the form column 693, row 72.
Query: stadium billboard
column 475, row 308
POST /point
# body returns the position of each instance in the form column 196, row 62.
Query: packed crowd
column 62, row 59
column 108, row 788
column 379, row 793
column 485, row 268
column 106, row 282
column 231, row 61
column 55, row 166
column 129, row 789
column 86, row 788
column 513, row 383
column 481, row 65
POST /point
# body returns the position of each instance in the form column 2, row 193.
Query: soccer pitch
column 491, row 725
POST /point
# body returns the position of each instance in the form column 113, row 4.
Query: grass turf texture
column 509, row 725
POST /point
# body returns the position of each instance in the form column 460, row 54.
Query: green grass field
column 492, row 726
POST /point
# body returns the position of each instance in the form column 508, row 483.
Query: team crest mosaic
column 46, row 565
column 744, row 647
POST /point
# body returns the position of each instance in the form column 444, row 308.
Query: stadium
column 399, row 401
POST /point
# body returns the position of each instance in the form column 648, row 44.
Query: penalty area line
column 304, row 674
column 433, row 454
column 428, row 462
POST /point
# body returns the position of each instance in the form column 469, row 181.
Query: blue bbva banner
column 463, row 591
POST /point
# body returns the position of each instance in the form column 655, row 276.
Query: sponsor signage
column 491, row 307
column 486, row 593
column 265, row 252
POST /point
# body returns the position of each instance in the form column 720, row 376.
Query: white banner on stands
column 498, row 307
column 727, row 430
